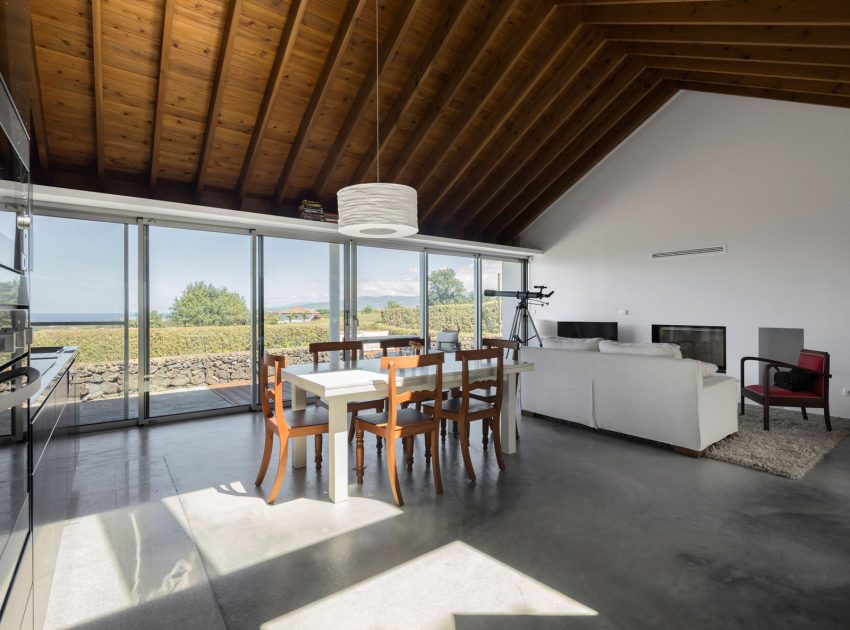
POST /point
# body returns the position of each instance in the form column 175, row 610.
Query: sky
column 79, row 267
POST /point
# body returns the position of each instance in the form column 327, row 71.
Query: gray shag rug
column 790, row 449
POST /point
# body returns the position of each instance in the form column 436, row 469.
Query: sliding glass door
column 199, row 320
column 497, row 312
column 451, row 302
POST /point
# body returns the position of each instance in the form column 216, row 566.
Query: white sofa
column 657, row 398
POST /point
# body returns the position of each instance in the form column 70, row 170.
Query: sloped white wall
column 769, row 179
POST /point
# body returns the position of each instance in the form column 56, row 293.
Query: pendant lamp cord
column 377, row 101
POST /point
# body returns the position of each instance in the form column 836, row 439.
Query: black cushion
column 795, row 380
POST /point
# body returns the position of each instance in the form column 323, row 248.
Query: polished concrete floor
column 582, row 531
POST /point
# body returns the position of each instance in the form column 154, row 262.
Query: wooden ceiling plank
column 282, row 57
column 97, row 59
column 771, row 35
column 165, row 51
column 437, row 43
column 460, row 73
column 765, row 69
column 334, row 60
column 760, row 92
column 798, row 12
column 387, row 51
column 809, row 55
column 600, row 82
column 38, row 121
column 628, row 85
column 511, row 56
column 584, row 154
column 809, row 86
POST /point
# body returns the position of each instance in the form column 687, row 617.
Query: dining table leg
column 298, row 446
column 509, row 414
column 337, row 450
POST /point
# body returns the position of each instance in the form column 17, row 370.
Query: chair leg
column 428, row 448
column 267, row 455
column 766, row 415
column 455, row 429
column 741, row 408
column 281, row 470
column 435, row 464
column 826, row 417
column 408, row 451
column 485, row 431
column 805, row 413
column 464, row 449
column 393, row 473
column 497, row 443
column 443, row 430
column 359, row 454
column 379, row 444
column 318, row 448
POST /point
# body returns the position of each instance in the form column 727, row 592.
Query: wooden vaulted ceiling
column 490, row 109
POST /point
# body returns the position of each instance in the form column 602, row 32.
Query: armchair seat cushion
column 778, row 392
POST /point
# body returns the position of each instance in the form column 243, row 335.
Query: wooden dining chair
column 465, row 410
column 399, row 343
column 405, row 423
column 510, row 348
column 351, row 351
column 310, row 421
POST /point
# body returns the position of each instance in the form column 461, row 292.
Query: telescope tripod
column 524, row 322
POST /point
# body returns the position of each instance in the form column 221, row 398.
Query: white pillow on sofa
column 572, row 343
column 646, row 349
column 707, row 369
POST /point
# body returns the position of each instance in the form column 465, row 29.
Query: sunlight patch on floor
column 429, row 591
column 234, row 529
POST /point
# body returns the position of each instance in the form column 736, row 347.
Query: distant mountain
column 375, row 301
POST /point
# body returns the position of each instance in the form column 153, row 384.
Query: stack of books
column 313, row 211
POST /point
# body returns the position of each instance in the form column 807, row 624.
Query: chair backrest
column 401, row 342
column 494, row 384
column 511, row 346
column 352, row 350
column 818, row 361
column 273, row 411
column 394, row 399
column 448, row 336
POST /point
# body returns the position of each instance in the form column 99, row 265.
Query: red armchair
column 769, row 395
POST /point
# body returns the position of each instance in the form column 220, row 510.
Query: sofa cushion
column 708, row 369
column 572, row 343
column 646, row 349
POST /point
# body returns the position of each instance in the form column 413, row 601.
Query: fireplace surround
column 703, row 343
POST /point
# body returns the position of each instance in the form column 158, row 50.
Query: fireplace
column 703, row 343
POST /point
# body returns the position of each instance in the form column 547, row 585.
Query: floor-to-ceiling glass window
column 388, row 294
column 83, row 294
column 451, row 301
column 199, row 315
column 303, row 293
column 497, row 312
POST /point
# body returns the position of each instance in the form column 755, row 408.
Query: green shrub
column 446, row 317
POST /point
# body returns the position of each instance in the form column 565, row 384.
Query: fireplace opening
column 703, row 343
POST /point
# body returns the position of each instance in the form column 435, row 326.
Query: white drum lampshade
column 377, row 210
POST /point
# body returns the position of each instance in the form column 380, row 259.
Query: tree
column 444, row 287
column 368, row 309
column 393, row 304
column 324, row 312
column 203, row 304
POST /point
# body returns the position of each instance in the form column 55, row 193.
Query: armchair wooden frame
column 391, row 427
column 310, row 421
column 352, row 350
column 767, row 400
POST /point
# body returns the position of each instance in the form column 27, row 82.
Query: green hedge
column 446, row 317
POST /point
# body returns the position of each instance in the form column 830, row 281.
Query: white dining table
column 340, row 382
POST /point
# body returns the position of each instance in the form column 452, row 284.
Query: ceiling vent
column 718, row 249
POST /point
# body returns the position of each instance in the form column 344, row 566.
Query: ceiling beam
column 800, row 12
column 584, row 154
column 772, row 35
column 278, row 72
column 164, row 53
column 759, row 92
column 332, row 63
column 231, row 25
column 543, row 165
column 598, row 84
column 783, row 54
column 437, row 44
column 828, row 88
column 506, row 63
column 97, row 60
column 837, row 74
column 38, row 122
column 460, row 73
column 366, row 93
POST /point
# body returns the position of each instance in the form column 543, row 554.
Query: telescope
column 539, row 294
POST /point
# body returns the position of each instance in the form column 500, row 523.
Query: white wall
column 769, row 179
